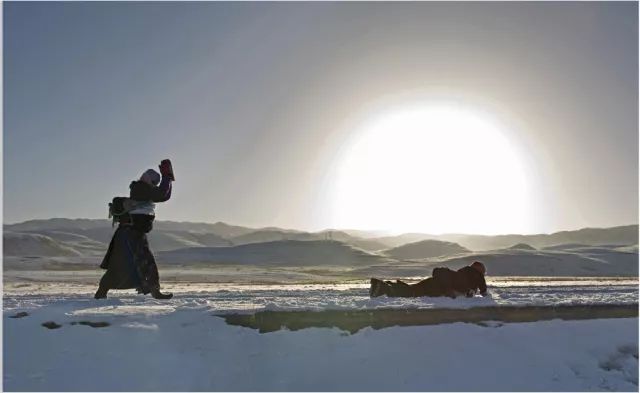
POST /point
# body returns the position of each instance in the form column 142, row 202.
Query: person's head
column 150, row 177
column 479, row 266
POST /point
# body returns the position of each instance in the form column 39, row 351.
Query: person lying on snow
column 444, row 282
column 129, row 261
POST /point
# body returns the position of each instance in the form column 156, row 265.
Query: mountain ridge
column 174, row 234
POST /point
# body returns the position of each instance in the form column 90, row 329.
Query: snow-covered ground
column 185, row 343
column 153, row 346
column 225, row 298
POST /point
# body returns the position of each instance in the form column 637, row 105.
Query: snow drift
column 139, row 344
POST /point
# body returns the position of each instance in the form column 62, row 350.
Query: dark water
column 355, row 320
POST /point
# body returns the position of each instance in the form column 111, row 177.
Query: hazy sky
column 254, row 102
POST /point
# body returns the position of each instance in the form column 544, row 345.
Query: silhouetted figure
column 129, row 261
column 443, row 282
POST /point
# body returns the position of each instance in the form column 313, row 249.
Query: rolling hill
column 621, row 235
column 274, row 234
column 590, row 252
column 275, row 253
column 426, row 249
column 29, row 244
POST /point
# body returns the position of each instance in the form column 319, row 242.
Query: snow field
column 189, row 349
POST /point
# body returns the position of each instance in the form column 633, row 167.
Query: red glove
column 166, row 169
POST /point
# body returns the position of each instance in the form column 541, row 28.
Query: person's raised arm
column 162, row 193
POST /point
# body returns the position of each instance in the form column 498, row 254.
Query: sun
column 431, row 169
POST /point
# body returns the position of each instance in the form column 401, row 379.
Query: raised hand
column 166, row 169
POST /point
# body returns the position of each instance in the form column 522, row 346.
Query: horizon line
column 336, row 229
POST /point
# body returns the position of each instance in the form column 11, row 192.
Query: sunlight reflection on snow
column 226, row 298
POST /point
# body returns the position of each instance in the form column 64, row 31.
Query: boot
column 101, row 293
column 159, row 295
column 372, row 287
column 378, row 288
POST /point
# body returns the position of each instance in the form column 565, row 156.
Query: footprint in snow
column 620, row 361
column 493, row 324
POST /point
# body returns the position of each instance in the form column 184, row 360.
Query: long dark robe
column 445, row 282
column 427, row 287
column 129, row 262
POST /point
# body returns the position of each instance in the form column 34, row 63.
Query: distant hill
column 521, row 246
column 82, row 225
column 405, row 238
column 596, row 261
column 94, row 239
column 367, row 244
column 169, row 235
column 170, row 240
column 621, row 235
column 81, row 244
column 54, row 244
column 564, row 247
column 270, row 235
column 220, row 229
column 275, row 253
column 59, row 224
column 359, row 242
column 274, row 234
column 91, row 236
column 590, row 262
column 26, row 244
column 426, row 249
column 362, row 234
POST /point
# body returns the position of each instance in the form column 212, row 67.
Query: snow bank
column 189, row 350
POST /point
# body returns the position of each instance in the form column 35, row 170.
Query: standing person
column 129, row 261
column 444, row 282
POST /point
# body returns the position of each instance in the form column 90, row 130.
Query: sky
column 258, row 104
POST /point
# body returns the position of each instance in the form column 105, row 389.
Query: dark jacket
column 141, row 191
column 466, row 280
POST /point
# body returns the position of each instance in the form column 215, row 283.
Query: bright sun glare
column 431, row 169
